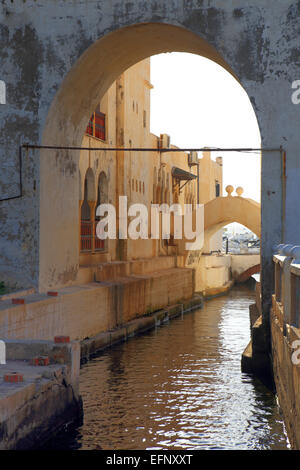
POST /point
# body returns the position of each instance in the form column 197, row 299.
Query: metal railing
column 86, row 235
column 89, row 240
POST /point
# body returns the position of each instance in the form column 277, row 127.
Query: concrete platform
column 31, row 375
column 46, row 399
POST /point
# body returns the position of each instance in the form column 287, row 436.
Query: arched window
column 163, row 185
column 167, row 196
column 154, row 185
column 176, row 196
column 168, row 180
column 158, row 195
column 85, row 208
column 80, row 187
column 86, row 233
column 102, row 198
column 97, row 124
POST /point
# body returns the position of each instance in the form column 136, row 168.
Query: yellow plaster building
column 122, row 120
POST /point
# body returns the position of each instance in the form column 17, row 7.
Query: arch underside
column 225, row 210
column 243, row 277
column 103, row 62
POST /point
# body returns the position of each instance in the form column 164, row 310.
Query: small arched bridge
column 244, row 276
column 222, row 211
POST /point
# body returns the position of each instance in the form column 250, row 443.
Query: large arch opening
column 89, row 79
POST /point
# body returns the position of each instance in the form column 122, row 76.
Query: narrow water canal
column 179, row 387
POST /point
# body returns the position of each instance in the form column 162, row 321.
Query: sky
column 200, row 104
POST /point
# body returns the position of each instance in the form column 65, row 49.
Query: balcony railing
column 99, row 244
column 86, row 235
column 88, row 242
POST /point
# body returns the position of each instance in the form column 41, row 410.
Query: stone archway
column 91, row 76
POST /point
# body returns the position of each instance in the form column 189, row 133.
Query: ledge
column 279, row 259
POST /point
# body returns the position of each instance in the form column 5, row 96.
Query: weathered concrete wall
column 256, row 357
column 83, row 311
column 212, row 272
column 48, row 397
column 139, row 325
column 241, row 263
column 69, row 60
column 286, row 373
column 283, row 371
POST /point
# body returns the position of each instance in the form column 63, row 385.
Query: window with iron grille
column 97, row 125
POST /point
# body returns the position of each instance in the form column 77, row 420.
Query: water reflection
column 179, row 387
